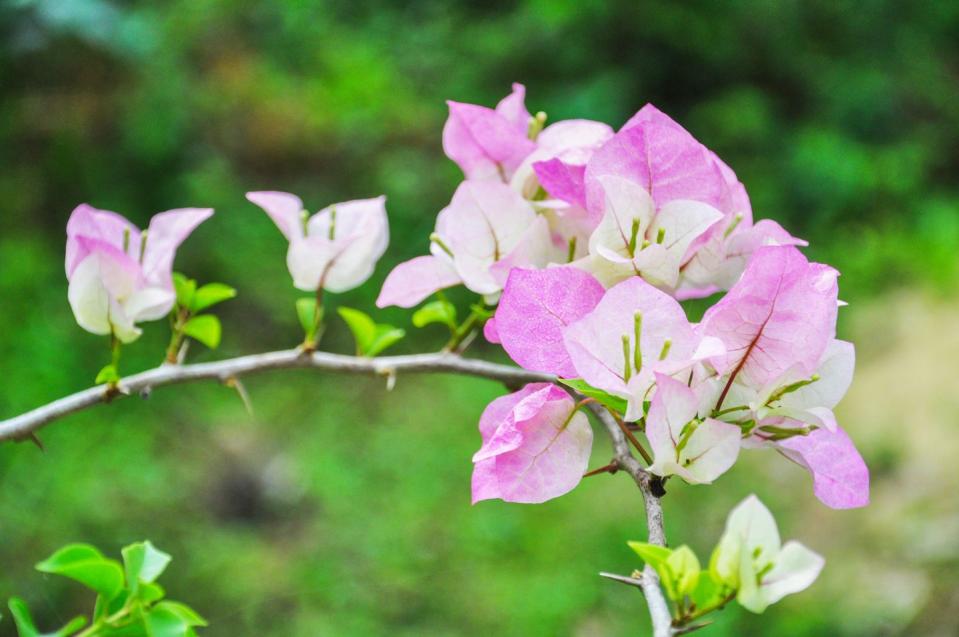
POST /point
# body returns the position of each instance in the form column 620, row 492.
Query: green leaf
column 362, row 326
column 105, row 608
column 108, row 374
column 707, row 592
column 658, row 558
column 185, row 288
column 306, row 312
column 150, row 593
column 650, row 553
column 441, row 311
column 386, row 336
column 26, row 627
column 211, row 294
column 371, row 338
column 684, row 567
column 184, row 612
column 85, row 564
column 170, row 619
column 22, row 618
column 204, row 328
column 613, row 402
column 143, row 563
column 69, row 628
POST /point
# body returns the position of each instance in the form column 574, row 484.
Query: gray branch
column 648, row 486
column 228, row 372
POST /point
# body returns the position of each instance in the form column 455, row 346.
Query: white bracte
column 228, row 371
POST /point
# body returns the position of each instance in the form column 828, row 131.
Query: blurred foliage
column 343, row 510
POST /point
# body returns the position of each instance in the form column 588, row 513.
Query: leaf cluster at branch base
column 129, row 602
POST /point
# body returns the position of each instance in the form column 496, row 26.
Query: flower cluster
column 648, row 200
column 587, row 239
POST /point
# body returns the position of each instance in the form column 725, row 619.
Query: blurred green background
column 342, row 509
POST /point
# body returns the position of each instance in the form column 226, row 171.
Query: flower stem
column 178, row 318
column 632, row 438
column 473, row 322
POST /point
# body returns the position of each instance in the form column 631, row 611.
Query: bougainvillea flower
column 486, row 230
column 536, row 446
column 793, row 414
column 489, row 143
column 412, row 281
column 697, row 450
column 559, row 161
column 634, row 331
column 781, row 313
column 120, row 276
column 655, row 152
column 719, row 262
column 840, row 475
column 634, row 238
column 535, row 308
column 808, row 399
column 751, row 558
column 335, row 249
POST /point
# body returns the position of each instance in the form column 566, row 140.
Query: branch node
column 657, row 487
column 113, row 390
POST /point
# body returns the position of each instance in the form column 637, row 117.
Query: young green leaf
column 371, row 338
column 108, row 374
column 184, row 612
column 613, row 402
column 204, row 328
column 441, row 311
column 707, row 592
column 385, row 336
column 143, row 563
column 306, row 312
column 85, row 564
column 26, row 628
column 362, row 326
column 149, row 593
column 21, row 618
column 209, row 295
column 658, row 557
column 69, row 628
column 684, row 568
column 169, row 619
column 650, row 553
column 185, row 288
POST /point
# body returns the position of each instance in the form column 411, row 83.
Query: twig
column 20, row 427
column 649, row 485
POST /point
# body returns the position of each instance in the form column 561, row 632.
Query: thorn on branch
column 636, row 579
column 685, row 630
column 390, row 374
column 234, row 383
column 31, row 437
